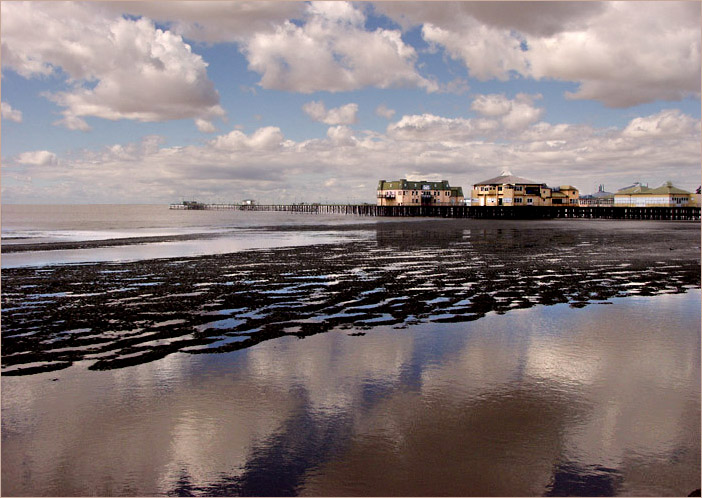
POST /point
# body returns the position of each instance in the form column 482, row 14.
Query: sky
column 159, row 102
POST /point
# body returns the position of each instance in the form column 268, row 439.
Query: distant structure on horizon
column 248, row 202
column 418, row 193
column 511, row 190
column 599, row 198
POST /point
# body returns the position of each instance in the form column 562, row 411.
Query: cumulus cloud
column 383, row 111
column 73, row 122
column 37, row 158
column 205, row 126
column 343, row 115
column 117, row 68
column 214, row 21
column 620, row 53
column 514, row 114
column 341, row 135
column 534, row 18
column 11, row 114
column 635, row 52
column 266, row 138
column 667, row 123
column 270, row 168
column 431, row 128
column 488, row 52
column 323, row 54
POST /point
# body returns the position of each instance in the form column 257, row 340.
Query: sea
column 157, row 352
column 198, row 232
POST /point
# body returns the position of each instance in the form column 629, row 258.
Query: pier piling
column 490, row 212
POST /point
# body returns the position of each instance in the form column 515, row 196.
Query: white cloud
column 73, row 122
column 37, row 158
column 325, row 54
column 117, row 68
column 431, row 128
column 487, row 52
column 491, row 105
column 214, row 21
column 341, row 135
column 633, row 53
column 383, row 111
column 620, row 53
column 11, row 114
column 205, row 126
column 266, row 138
column 268, row 167
column 343, row 115
column 514, row 114
column 667, row 123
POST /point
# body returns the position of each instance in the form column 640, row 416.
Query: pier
column 490, row 212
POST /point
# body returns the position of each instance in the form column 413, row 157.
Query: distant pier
column 494, row 212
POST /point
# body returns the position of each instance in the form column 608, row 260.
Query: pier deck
column 497, row 212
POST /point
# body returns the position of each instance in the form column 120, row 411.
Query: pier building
column 640, row 195
column 599, row 198
column 418, row 193
column 511, row 190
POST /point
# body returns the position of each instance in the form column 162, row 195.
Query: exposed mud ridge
column 120, row 314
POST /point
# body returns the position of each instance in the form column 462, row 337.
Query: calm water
column 598, row 395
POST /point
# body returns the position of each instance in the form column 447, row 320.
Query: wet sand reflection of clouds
column 475, row 408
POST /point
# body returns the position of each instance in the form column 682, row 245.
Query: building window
column 517, row 200
column 518, row 189
column 530, row 200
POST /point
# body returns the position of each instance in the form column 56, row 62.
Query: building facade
column 599, row 198
column 667, row 195
column 565, row 195
column 418, row 193
column 510, row 190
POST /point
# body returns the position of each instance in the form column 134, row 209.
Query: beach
column 552, row 351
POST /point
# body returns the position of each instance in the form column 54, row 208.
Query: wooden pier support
column 491, row 212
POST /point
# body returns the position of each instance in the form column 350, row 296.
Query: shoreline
column 25, row 244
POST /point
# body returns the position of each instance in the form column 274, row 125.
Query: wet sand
column 113, row 315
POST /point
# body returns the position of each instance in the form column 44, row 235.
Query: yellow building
column 419, row 193
column 565, row 195
column 510, row 190
column 667, row 195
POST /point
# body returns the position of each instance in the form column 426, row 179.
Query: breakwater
column 497, row 212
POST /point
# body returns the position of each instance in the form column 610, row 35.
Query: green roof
column 665, row 189
column 668, row 188
column 634, row 189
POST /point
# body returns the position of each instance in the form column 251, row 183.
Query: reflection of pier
column 505, row 212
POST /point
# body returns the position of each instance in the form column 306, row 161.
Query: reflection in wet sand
column 541, row 404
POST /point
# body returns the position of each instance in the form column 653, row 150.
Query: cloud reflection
column 526, row 402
